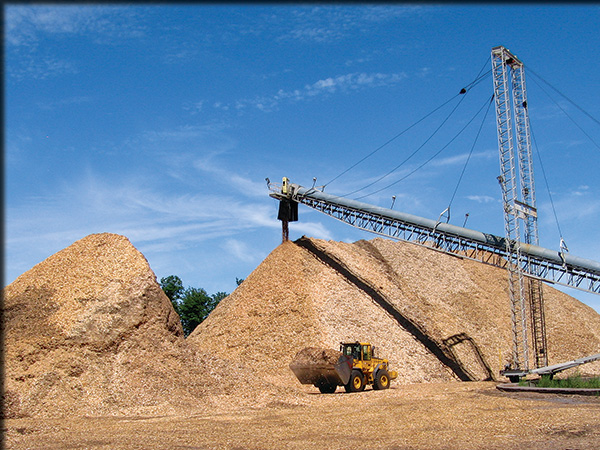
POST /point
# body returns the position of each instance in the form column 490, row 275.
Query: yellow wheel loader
column 354, row 367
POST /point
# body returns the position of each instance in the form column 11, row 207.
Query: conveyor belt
column 541, row 263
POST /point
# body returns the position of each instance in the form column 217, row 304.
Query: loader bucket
column 321, row 367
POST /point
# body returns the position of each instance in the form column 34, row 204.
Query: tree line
column 192, row 304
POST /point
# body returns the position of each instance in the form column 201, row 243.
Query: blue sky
column 161, row 123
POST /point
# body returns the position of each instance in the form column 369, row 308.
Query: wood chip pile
column 295, row 300
column 316, row 356
column 89, row 331
column 268, row 318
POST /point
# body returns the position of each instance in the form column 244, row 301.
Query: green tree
column 195, row 306
column 218, row 297
column 173, row 288
column 192, row 304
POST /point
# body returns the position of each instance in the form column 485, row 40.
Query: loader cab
column 357, row 350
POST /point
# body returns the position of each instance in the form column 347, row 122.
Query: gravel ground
column 416, row 416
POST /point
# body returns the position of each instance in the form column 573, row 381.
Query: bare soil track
column 472, row 415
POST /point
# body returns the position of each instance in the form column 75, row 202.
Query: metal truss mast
column 520, row 214
column 518, row 251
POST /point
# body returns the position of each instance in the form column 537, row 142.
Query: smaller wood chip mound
column 89, row 331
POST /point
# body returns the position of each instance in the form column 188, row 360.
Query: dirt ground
column 418, row 416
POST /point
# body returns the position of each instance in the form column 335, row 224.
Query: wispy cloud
column 576, row 205
column 577, row 211
column 312, row 33
column 327, row 86
column 15, row 148
column 26, row 25
column 482, row 198
column 41, row 68
column 240, row 250
column 135, row 209
column 462, row 158
column 206, row 134
column 199, row 157
column 243, row 186
column 178, row 148
column 321, row 24
column 313, row 229
column 68, row 101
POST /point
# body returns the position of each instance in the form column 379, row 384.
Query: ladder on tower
column 520, row 213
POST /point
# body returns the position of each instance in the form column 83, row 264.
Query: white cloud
column 331, row 23
column 130, row 207
column 353, row 81
column 424, row 72
column 321, row 34
column 240, row 250
column 40, row 68
column 327, row 86
column 482, row 198
column 462, row 158
column 195, row 107
column 581, row 190
column 312, row 229
column 68, row 101
column 358, row 61
column 25, row 25
column 183, row 133
column 243, row 186
column 576, row 205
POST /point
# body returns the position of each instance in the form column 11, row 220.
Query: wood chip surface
column 89, row 332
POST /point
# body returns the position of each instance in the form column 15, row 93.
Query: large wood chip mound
column 436, row 317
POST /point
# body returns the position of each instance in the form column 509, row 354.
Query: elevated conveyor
column 537, row 262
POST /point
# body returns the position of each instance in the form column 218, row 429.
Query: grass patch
column 574, row 382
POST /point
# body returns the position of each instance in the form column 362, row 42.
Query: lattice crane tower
column 520, row 214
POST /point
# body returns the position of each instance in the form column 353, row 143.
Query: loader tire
column 356, row 382
column 327, row 388
column 382, row 380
